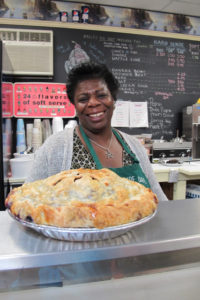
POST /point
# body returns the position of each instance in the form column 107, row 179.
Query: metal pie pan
column 82, row 234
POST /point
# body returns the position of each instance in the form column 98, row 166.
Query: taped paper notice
column 138, row 114
column 173, row 176
column 120, row 116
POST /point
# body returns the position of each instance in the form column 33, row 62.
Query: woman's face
column 94, row 104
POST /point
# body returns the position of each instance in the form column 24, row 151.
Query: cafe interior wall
column 40, row 10
column 100, row 15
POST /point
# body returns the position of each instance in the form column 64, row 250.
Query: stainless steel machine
column 196, row 131
column 191, row 127
column 179, row 150
column 187, row 123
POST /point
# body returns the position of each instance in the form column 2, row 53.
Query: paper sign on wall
column 130, row 114
column 120, row 116
column 43, row 100
column 7, row 99
column 138, row 114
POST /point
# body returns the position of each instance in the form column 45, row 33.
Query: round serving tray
column 82, row 234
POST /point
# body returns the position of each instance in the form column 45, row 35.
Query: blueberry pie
column 82, row 198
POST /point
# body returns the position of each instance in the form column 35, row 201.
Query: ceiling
column 185, row 7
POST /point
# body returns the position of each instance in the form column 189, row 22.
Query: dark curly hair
column 90, row 70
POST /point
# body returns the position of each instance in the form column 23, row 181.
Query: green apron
column 133, row 172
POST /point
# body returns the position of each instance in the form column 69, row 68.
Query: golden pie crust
column 82, row 198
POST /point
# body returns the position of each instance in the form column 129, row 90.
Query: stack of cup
column 38, row 124
column 57, row 124
column 36, row 139
column 71, row 124
column 46, row 129
column 37, row 134
column 21, row 143
column 29, row 134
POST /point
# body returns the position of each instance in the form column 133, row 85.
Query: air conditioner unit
column 27, row 52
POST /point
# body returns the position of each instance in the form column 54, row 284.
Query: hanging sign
column 42, row 100
column 7, row 99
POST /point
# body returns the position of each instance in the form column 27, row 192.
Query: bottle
column 63, row 16
column 84, row 14
column 75, row 16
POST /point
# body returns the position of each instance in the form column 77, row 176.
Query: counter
column 168, row 243
column 178, row 176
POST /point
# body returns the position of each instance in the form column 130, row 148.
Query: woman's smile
column 94, row 104
column 95, row 117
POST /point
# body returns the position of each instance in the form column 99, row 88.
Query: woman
column 94, row 144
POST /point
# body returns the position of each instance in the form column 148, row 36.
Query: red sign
column 7, row 99
column 42, row 100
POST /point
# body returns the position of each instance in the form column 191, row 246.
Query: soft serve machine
column 187, row 147
column 196, row 131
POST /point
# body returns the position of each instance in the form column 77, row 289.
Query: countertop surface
column 191, row 168
column 175, row 226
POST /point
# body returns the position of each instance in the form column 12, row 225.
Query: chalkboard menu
column 162, row 70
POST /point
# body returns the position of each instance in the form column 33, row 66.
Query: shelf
column 52, row 24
